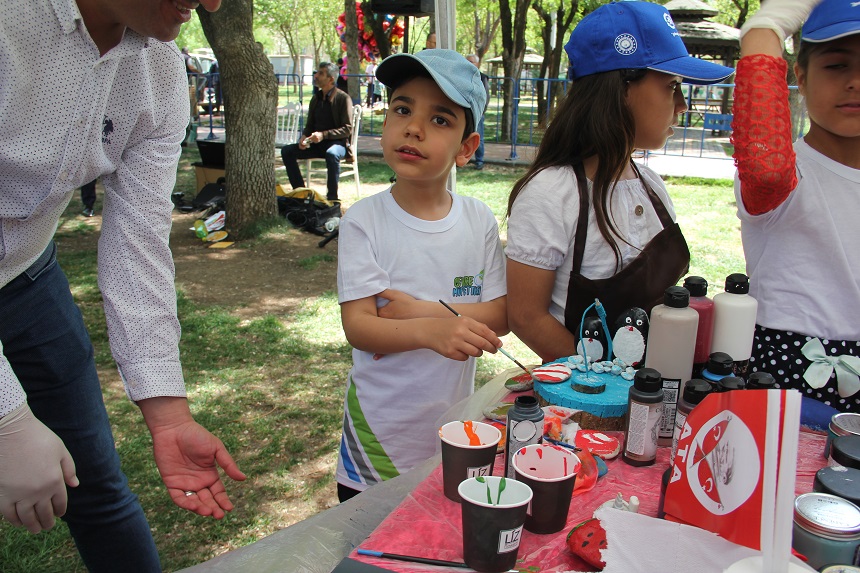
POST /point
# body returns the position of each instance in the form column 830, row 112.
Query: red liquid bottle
column 700, row 302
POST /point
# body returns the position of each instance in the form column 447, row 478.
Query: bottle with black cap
column 670, row 349
column 719, row 366
column 730, row 383
column 644, row 406
column 761, row 381
column 695, row 391
column 734, row 322
column 700, row 302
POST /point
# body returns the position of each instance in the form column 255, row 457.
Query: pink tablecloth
column 427, row 524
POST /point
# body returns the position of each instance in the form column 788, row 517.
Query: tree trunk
column 485, row 30
column 251, row 98
column 551, row 64
column 352, row 57
column 513, row 50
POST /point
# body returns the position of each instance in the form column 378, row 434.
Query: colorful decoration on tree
column 368, row 48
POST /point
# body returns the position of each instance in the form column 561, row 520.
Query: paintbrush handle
column 411, row 559
column 500, row 349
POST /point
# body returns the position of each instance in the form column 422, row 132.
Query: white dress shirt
column 68, row 116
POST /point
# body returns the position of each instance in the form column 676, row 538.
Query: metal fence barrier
column 704, row 130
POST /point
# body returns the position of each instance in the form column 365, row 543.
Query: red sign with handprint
column 716, row 481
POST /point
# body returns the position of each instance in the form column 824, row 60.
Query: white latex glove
column 784, row 17
column 35, row 468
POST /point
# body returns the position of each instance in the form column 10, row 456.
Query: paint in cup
column 550, row 471
column 494, row 512
column 468, row 450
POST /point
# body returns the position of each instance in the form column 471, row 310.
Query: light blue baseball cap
column 832, row 19
column 636, row 35
column 458, row 78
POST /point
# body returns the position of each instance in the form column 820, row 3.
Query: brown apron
column 661, row 264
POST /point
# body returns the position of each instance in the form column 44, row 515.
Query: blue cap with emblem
column 458, row 79
column 635, row 35
column 832, row 19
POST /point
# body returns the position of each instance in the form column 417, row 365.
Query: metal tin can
column 842, row 424
column 826, row 530
column 845, row 452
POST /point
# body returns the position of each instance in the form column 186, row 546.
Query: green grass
column 270, row 386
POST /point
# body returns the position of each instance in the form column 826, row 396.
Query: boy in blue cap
column 402, row 251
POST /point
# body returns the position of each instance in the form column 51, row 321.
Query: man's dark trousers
column 332, row 150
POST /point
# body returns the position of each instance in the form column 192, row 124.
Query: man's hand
column 306, row 142
column 35, row 468
column 188, row 456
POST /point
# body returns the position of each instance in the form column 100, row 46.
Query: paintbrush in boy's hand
column 500, row 349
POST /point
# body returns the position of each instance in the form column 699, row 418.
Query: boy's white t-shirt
column 803, row 258
column 392, row 404
column 542, row 227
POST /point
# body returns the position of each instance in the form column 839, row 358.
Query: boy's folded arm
column 402, row 306
column 456, row 338
column 493, row 313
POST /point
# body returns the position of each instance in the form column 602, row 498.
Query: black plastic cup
column 550, row 472
column 461, row 458
column 493, row 527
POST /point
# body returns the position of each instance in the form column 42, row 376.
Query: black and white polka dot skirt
column 778, row 352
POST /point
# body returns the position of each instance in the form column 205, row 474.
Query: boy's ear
column 468, row 148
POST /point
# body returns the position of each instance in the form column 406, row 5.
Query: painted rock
column 551, row 373
column 598, row 443
column 520, row 383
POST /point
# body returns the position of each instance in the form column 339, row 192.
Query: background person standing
column 127, row 129
column 478, row 159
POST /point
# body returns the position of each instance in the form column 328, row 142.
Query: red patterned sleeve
column 761, row 136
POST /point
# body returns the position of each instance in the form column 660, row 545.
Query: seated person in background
column 430, row 42
column 326, row 132
column 402, row 251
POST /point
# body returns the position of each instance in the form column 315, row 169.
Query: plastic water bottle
column 332, row 224
column 644, row 409
column 670, row 349
column 695, row 391
column 734, row 322
column 525, row 427
column 700, row 302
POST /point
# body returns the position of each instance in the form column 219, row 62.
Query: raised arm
column 761, row 135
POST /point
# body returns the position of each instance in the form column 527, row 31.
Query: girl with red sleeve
column 799, row 204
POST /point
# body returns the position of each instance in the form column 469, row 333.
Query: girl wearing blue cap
column 585, row 222
column 799, row 204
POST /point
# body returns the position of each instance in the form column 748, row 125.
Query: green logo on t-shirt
column 469, row 285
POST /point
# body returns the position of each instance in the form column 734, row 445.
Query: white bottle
column 734, row 322
column 670, row 351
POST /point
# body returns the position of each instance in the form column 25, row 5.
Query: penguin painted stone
column 631, row 332
column 593, row 341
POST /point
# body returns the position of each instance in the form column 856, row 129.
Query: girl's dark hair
column 592, row 120
column 470, row 120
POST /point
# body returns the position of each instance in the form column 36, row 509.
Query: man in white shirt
column 93, row 88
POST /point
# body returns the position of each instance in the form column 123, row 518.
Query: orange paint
column 474, row 440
